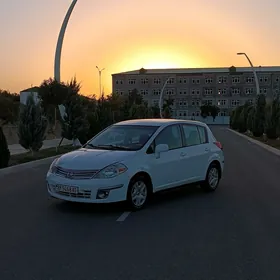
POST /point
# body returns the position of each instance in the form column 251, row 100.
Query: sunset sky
column 130, row 34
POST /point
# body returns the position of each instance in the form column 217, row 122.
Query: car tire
column 212, row 180
column 138, row 193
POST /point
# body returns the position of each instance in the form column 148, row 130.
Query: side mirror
column 161, row 148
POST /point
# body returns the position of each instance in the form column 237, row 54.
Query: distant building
column 192, row 87
column 25, row 93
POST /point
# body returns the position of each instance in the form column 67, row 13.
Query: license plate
column 67, row 189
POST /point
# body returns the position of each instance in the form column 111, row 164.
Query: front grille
column 80, row 194
column 75, row 174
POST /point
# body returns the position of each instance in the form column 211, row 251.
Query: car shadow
column 88, row 208
column 175, row 195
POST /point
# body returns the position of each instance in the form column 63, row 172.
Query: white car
column 131, row 160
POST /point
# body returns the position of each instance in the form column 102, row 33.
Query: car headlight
column 111, row 171
column 53, row 167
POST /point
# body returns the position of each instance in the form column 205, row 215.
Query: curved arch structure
column 60, row 41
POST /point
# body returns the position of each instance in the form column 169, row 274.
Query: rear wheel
column 212, row 178
column 138, row 193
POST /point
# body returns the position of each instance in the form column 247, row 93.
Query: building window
column 156, row 92
column 222, row 114
column 144, row 81
column 263, row 91
column 183, row 80
column 157, row 81
column 263, row 79
column 249, row 80
column 222, row 102
column 222, row 80
column 250, row 101
column 196, row 81
column 170, row 81
column 170, row 92
column 183, row 91
column 208, row 91
column 195, row 102
column 208, row 102
column 144, row 92
column 155, row 102
column 235, row 91
column 119, row 82
column 208, row 80
column 222, row 91
column 235, row 103
column 182, row 113
column 195, row 91
column 131, row 81
column 183, row 103
column 249, row 91
column 277, row 79
column 235, row 80
column 130, row 91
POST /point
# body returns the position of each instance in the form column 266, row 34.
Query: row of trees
column 260, row 118
column 80, row 117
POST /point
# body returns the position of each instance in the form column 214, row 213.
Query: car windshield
column 122, row 137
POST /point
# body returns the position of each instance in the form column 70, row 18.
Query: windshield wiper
column 92, row 146
column 114, row 147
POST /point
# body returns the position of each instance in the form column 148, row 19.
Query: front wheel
column 212, row 178
column 137, row 193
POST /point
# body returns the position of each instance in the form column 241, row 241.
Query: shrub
column 32, row 125
column 75, row 124
column 4, row 150
column 258, row 124
column 272, row 116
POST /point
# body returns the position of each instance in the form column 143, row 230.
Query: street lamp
column 160, row 98
column 100, row 72
column 57, row 58
column 254, row 71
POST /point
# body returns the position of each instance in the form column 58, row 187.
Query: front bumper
column 88, row 191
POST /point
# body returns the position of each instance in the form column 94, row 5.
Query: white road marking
column 123, row 216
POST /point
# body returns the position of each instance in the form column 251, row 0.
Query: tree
column 74, row 124
column 214, row 111
column 258, row 124
column 204, row 111
column 272, row 117
column 4, row 150
column 9, row 106
column 32, row 125
column 167, row 108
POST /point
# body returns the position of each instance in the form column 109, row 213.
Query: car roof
column 158, row 122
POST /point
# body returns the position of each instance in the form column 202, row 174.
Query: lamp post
column 161, row 96
column 100, row 72
column 254, row 72
column 60, row 42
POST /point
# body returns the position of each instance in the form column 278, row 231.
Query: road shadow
column 177, row 195
column 87, row 208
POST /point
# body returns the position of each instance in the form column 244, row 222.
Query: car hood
column 91, row 159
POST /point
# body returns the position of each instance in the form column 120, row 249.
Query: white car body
column 73, row 176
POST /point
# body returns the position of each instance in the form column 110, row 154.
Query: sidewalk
column 17, row 149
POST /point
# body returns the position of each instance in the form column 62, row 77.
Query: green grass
column 50, row 152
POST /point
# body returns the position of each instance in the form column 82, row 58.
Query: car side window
column 171, row 136
column 191, row 135
column 203, row 134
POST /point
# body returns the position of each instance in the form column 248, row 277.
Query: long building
column 192, row 87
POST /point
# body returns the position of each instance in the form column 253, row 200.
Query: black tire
column 142, row 182
column 214, row 173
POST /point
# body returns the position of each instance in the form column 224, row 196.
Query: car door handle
column 207, row 149
column 183, row 154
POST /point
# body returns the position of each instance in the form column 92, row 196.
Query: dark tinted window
column 191, row 135
column 171, row 136
column 203, row 134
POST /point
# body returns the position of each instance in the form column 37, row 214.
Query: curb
column 265, row 146
column 31, row 164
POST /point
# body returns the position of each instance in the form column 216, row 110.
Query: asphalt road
column 233, row 233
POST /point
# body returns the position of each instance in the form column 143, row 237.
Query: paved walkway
column 17, row 149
